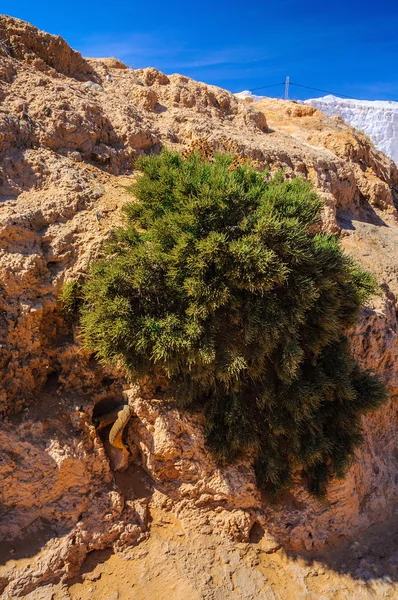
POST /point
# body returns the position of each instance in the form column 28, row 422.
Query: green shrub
column 69, row 297
column 217, row 283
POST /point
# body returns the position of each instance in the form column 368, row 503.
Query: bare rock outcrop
column 356, row 175
column 45, row 52
column 66, row 160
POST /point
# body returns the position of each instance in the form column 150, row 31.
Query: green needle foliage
column 69, row 298
column 217, row 283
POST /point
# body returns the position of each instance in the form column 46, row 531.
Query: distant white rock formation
column 247, row 94
column 377, row 118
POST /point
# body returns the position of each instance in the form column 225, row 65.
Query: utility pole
column 287, row 82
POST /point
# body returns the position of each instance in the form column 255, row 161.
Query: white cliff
column 378, row 119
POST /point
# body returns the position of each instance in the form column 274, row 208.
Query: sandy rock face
column 66, row 158
column 379, row 119
column 45, row 52
column 59, row 500
column 355, row 175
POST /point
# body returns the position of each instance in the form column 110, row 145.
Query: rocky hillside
column 377, row 118
column 70, row 129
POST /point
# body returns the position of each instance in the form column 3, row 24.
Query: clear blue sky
column 346, row 46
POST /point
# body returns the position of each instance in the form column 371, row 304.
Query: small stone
column 90, row 85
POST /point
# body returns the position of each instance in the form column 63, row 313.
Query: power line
column 319, row 90
column 264, row 87
column 267, row 86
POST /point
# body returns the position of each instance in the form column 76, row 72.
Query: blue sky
column 345, row 46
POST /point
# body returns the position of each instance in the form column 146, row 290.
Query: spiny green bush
column 217, row 283
column 69, row 297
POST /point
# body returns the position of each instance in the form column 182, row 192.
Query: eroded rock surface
column 67, row 152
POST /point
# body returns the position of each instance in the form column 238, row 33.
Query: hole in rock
column 52, row 382
column 107, row 381
column 106, row 405
column 256, row 533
